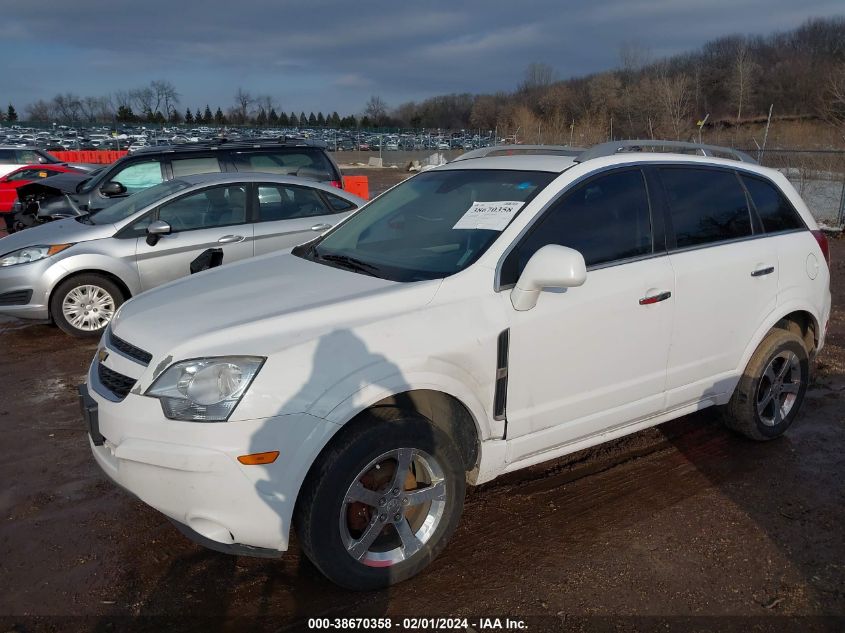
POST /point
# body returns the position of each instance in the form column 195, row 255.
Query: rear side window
column 706, row 206
column 188, row 166
column 772, row 206
column 338, row 204
column 606, row 219
column 288, row 203
column 305, row 162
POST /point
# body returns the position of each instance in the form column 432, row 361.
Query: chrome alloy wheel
column 393, row 507
column 778, row 389
column 88, row 307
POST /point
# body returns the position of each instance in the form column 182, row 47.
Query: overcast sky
column 324, row 55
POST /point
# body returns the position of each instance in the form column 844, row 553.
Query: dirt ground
column 685, row 526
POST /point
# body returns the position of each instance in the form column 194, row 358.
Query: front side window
column 288, row 202
column 706, row 206
column 127, row 207
column 430, row 226
column 139, row 176
column 209, row 208
column 606, row 219
column 772, row 206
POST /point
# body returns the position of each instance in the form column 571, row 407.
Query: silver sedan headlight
column 204, row 389
column 31, row 254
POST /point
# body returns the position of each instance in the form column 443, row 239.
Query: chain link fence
column 818, row 175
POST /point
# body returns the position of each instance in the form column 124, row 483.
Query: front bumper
column 190, row 473
column 36, row 277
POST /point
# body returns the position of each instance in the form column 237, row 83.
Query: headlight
column 31, row 254
column 204, row 389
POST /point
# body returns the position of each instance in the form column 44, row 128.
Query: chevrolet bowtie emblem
column 102, row 354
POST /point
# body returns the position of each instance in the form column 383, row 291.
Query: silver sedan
column 77, row 272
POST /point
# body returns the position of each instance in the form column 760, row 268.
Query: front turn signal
column 256, row 459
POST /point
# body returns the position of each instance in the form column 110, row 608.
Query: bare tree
column 67, row 107
column 144, row 99
column 673, row 93
column 537, row 76
column 243, row 100
column 633, row 56
column 40, row 111
column 376, row 110
column 743, row 75
column 165, row 95
column 833, row 99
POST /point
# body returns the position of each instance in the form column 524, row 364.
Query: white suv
column 476, row 319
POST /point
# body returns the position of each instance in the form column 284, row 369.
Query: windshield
column 131, row 205
column 431, row 226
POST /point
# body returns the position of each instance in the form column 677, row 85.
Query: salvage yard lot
column 686, row 519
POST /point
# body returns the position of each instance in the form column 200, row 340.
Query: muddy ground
column 685, row 526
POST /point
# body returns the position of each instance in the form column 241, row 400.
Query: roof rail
column 615, row 147
column 507, row 150
column 218, row 143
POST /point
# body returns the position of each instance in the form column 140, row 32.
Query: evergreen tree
column 293, row 120
column 198, row 116
column 125, row 114
column 273, row 118
column 175, row 117
column 303, row 120
column 365, row 121
column 321, row 120
column 11, row 114
column 158, row 118
column 219, row 119
column 261, row 118
column 207, row 117
column 334, row 119
column 284, row 121
column 312, row 120
column 189, row 117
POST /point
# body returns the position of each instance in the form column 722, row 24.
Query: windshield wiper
column 350, row 262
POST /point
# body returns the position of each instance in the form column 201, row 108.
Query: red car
column 10, row 182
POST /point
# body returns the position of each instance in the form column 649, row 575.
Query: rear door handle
column 645, row 301
column 763, row 271
column 321, row 227
column 228, row 239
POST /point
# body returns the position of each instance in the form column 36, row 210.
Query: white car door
column 591, row 358
column 288, row 215
column 726, row 280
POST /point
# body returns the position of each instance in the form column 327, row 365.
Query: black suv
column 68, row 195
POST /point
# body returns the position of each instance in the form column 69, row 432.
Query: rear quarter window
column 774, row 209
column 300, row 161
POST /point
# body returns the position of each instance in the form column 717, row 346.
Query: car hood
column 60, row 232
column 259, row 306
column 58, row 184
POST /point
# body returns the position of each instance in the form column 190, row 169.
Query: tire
column 104, row 298
column 359, row 536
column 771, row 389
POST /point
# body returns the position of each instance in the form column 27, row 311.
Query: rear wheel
column 772, row 388
column 84, row 305
column 382, row 502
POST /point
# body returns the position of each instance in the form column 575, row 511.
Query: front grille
column 15, row 298
column 136, row 353
column 116, row 383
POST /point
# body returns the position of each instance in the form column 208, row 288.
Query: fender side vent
column 500, row 397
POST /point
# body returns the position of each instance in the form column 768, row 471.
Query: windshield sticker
column 492, row 216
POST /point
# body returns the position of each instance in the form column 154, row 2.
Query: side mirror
column 155, row 230
column 112, row 188
column 552, row 266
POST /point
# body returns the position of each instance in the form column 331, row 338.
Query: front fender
column 123, row 269
column 364, row 388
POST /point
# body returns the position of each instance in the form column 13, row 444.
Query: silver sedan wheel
column 88, row 308
column 393, row 507
column 778, row 389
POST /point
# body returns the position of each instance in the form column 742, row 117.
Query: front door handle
column 645, row 301
column 321, row 227
column 763, row 271
column 229, row 239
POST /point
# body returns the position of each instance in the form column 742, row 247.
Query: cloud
column 353, row 80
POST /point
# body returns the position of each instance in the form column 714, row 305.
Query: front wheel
column 83, row 305
column 381, row 503
column 771, row 389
